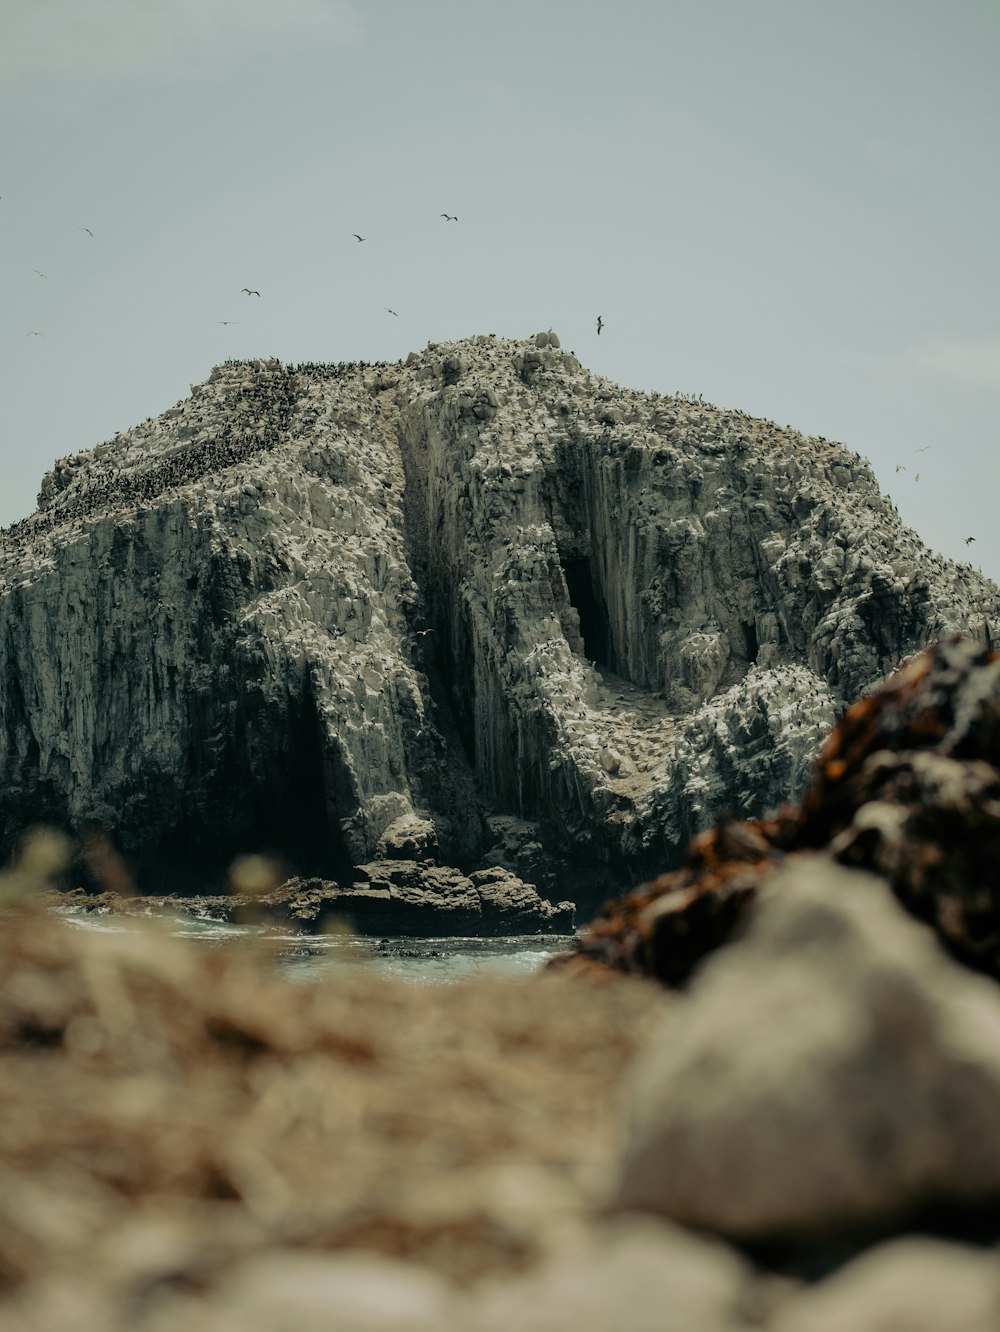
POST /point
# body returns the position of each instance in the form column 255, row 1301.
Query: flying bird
column 969, row 540
column 392, row 312
column 917, row 477
column 40, row 273
column 448, row 217
column 34, row 334
column 600, row 325
column 250, row 292
column 923, row 450
column 900, row 467
column 229, row 321
column 357, row 237
column 88, row 231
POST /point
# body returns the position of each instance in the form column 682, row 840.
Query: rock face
column 482, row 608
column 908, row 785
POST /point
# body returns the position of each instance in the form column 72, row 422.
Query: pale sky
column 790, row 206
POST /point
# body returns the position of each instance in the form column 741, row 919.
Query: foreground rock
column 832, row 1073
column 911, row 1285
column 347, row 613
column 908, row 785
column 633, row 1277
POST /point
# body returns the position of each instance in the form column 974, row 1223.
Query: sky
column 789, row 206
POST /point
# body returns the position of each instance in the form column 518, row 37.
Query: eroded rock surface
column 350, row 612
column 908, row 785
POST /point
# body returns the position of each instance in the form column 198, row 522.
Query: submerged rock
column 352, row 612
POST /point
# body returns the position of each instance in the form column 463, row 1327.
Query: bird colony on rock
column 553, row 624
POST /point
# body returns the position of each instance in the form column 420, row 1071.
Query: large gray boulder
column 833, row 1070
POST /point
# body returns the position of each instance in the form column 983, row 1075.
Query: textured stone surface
column 309, row 608
column 832, row 1070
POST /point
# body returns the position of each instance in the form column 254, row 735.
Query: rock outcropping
column 480, row 609
column 907, row 785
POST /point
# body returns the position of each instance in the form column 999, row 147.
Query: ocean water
column 306, row 957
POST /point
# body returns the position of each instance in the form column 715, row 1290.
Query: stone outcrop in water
column 484, row 605
column 395, row 897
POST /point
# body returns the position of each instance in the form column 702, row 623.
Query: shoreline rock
column 392, row 897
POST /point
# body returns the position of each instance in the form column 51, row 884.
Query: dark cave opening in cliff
column 278, row 791
column 595, row 627
column 750, row 644
column 291, row 802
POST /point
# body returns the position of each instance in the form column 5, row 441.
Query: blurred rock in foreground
column 833, row 1071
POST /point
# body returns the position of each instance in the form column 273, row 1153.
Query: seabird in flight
column 250, row 292
column 923, row 450
column 969, row 540
column 88, row 231
column 40, row 273
column 34, row 334
column 229, row 321
column 448, row 217
column 357, row 237
column 900, row 467
column 600, row 325
column 392, row 312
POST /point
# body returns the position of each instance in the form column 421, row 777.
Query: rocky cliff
column 484, row 608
